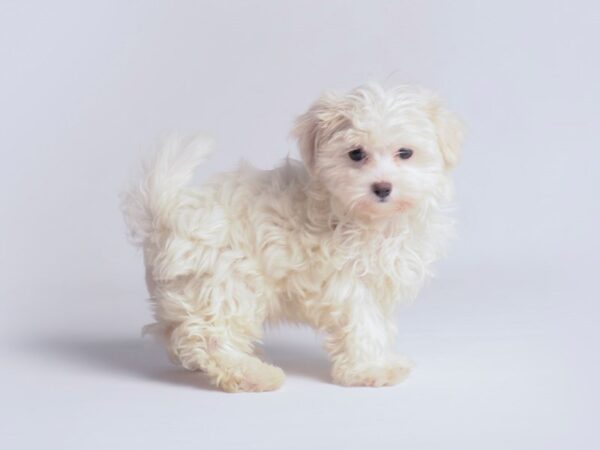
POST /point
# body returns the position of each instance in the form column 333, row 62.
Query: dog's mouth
column 382, row 208
column 400, row 204
column 403, row 205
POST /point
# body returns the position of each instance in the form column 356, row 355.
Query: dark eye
column 357, row 154
column 405, row 153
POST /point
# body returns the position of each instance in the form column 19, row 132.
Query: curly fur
column 306, row 243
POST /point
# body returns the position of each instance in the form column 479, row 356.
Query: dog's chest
column 390, row 267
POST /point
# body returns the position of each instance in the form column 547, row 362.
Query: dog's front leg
column 361, row 342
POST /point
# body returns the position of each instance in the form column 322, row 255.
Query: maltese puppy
column 334, row 242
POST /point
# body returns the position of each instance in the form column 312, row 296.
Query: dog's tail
column 151, row 199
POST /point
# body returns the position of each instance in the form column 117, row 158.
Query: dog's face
column 379, row 152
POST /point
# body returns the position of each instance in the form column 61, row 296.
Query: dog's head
column 379, row 152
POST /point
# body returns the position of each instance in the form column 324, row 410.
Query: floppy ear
column 316, row 125
column 450, row 132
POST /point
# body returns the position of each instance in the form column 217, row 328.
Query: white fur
column 304, row 243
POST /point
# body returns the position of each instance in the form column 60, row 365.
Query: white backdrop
column 505, row 338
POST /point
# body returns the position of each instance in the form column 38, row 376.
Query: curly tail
column 149, row 201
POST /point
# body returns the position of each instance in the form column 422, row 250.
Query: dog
column 335, row 241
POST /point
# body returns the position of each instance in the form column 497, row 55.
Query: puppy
column 334, row 242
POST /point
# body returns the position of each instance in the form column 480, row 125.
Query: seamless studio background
column 505, row 338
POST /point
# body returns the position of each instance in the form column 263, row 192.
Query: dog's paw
column 252, row 376
column 375, row 375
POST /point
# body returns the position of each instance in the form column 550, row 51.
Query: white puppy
column 335, row 242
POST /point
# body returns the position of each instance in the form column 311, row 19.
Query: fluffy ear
column 316, row 125
column 450, row 132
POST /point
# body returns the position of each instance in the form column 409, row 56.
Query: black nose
column 382, row 189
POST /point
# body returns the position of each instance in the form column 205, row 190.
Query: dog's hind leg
column 214, row 320
column 225, row 353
